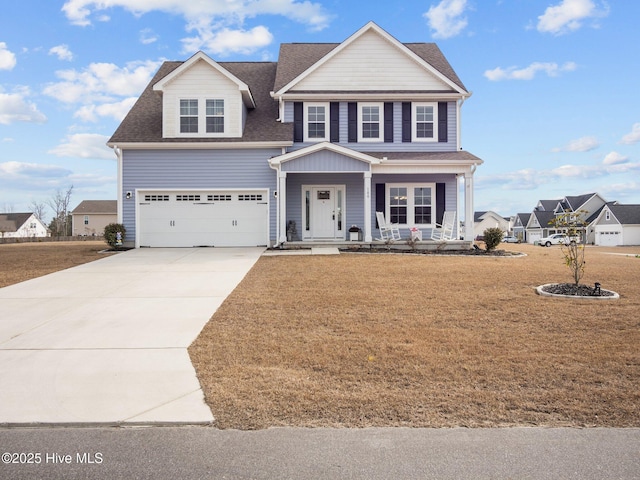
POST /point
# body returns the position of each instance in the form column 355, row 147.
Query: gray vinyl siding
column 196, row 169
column 325, row 161
column 397, row 145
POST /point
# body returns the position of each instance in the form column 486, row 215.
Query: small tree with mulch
column 573, row 250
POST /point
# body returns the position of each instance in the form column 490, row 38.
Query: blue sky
column 555, row 108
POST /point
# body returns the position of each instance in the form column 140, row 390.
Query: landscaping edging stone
column 605, row 294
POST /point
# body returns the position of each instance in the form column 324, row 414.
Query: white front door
column 323, row 212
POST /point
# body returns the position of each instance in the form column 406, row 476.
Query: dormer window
column 202, row 116
column 189, row 116
column 215, row 116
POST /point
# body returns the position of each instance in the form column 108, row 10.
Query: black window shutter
column 298, row 119
column 388, row 122
column 352, row 111
column 406, row 121
column 442, row 122
column 440, row 202
column 380, row 199
column 334, row 122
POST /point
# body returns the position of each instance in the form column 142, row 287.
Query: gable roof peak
column 200, row 56
column 443, row 72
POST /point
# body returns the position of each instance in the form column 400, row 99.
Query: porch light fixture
column 128, row 195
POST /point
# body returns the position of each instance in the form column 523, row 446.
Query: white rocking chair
column 445, row 231
column 388, row 231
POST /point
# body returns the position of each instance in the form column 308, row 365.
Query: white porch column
column 468, row 206
column 282, row 205
column 367, row 207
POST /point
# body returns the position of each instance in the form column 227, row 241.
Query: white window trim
column 411, row 203
column 414, row 121
column 380, row 106
column 202, row 117
column 326, row 121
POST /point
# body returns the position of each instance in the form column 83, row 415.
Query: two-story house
column 235, row 153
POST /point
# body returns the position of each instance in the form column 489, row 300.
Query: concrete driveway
column 106, row 342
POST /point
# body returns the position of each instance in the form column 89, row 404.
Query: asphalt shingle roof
column 11, row 222
column 626, row 214
column 96, row 207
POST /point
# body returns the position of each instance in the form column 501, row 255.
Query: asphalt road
column 291, row 453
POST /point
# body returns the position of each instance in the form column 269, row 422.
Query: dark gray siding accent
column 334, row 122
column 406, row 122
column 352, row 122
column 325, row 161
column 388, row 122
column 443, row 125
column 398, row 144
column 189, row 169
column 298, row 122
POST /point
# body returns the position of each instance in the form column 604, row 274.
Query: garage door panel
column 206, row 218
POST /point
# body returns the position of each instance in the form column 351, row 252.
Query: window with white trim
column 202, row 117
column 370, row 122
column 86, row 219
column 425, row 122
column 189, row 115
column 215, row 116
column 411, row 204
column 316, row 125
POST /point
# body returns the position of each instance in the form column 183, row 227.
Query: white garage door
column 203, row 218
column 534, row 237
column 608, row 237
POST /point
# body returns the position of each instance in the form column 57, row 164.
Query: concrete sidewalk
column 106, row 342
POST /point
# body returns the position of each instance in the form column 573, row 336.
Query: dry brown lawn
column 23, row 261
column 361, row 340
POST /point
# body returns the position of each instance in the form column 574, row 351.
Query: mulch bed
column 575, row 290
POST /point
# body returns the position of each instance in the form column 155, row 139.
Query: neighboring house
column 617, row 225
column 21, row 225
column 235, row 153
column 586, row 207
column 91, row 216
column 520, row 226
column 484, row 220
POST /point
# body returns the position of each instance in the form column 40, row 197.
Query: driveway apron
column 106, row 342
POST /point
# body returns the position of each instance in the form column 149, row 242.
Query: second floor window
column 86, row 219
column 424, row 124
column 371, row 125
column 189, row 116
column 316, row 125
column 215, row 116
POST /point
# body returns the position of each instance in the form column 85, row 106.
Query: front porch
column 399, row 245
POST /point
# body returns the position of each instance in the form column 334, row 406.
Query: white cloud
column 584, row 144
column 15, row 108
column 84, row 145
column 62, row 52
column 632, row 137
column 227, row 41
column 116, row 110
column 207, row 18
column 446, row 19
column 147, row 36
column 104, row 82
column 14, row 170
column 530, row 179
column 528, row 73
column 7, row 57
column 614, row 158
column 568, row 16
